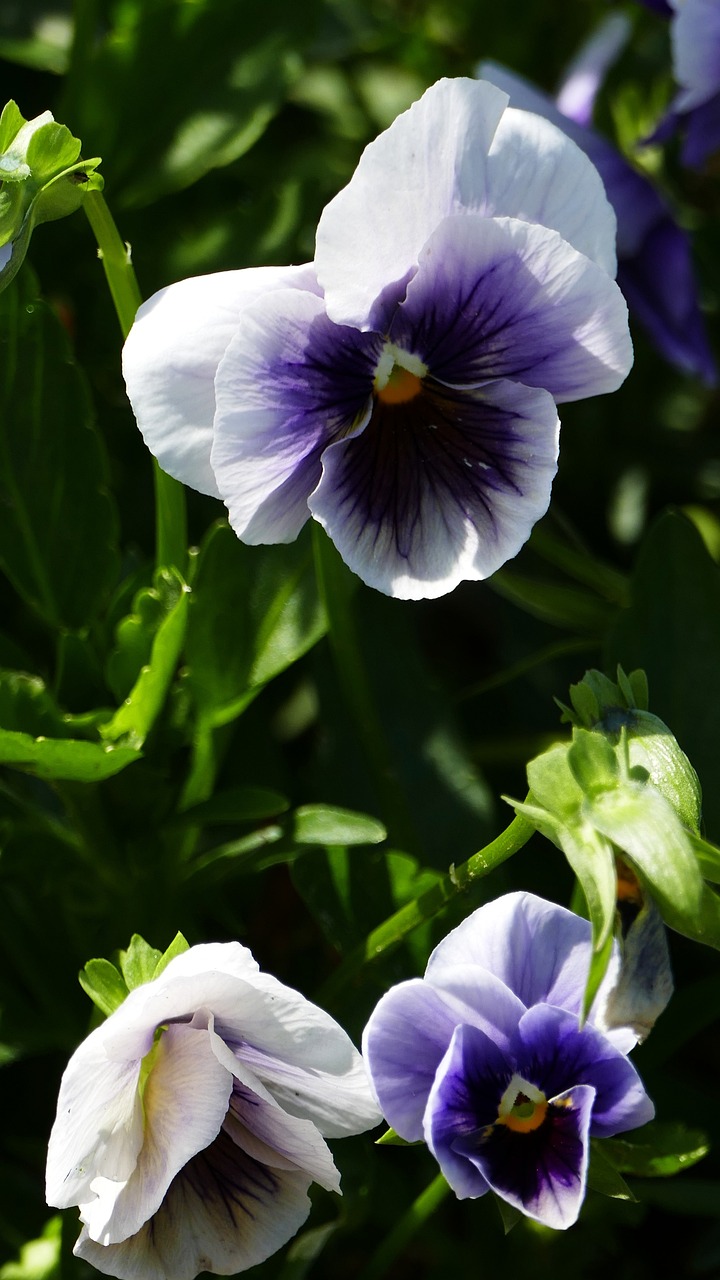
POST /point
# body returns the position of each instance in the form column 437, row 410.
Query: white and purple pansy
column 485, row 1059
column 402, row 388
column 192, row 1122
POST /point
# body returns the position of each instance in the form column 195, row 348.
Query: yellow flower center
column 522, row 1106
column 398, row 376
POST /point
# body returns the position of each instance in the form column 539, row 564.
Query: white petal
column 98, row 1129
column 223, row 1213
column 172, row 354
column 537, row 174
column 303, row 1056
column 185, row 1102
column 428, row 164
column 274, row 1138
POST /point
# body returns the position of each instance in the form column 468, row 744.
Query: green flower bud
column 614, row 709
column 41, row 178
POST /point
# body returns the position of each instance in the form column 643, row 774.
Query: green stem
column 396, row 928
column 580, row 564
column 560, row 649
column 336, row 585
column 404, row 1230
column 170, row 517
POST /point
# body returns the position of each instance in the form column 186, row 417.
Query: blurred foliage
column 179, row 748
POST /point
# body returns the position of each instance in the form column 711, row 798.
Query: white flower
column 402, row 388
column 192, row 1122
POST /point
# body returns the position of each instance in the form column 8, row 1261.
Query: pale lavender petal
column 553, row 1053
column 499, row 298
column 541, row 1173
column 464, row 1099
column 223, row 1213
column 98, row 1130
column 271, row 1136
column 171, row 357
column 410, row 1030
column 695, row 36
column 290, row 382
column 404, row 1042
column 442, row 489
column 539, row 950
column 184, row 1102
column 429, row 163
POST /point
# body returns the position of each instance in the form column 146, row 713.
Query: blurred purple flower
column 695, row 36
column 655, row 270
column 401, row 389
column 484, row 1058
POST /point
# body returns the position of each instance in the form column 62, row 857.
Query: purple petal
column 498, row 298
column 541, row 1173
column 403, row 1044
column 702, row 138
column 171, row 357
column 224, row 1212
column 443, row 488
column 290, row 382
column 584, row 76
column 464, row 1100
column 655, row 269
column 554, row 1054
column 539, row 950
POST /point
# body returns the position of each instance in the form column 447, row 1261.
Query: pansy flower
column 655, row 269
column 192, row 1122
column 402, row 388
column 485, row 1059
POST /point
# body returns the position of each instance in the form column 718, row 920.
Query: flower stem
column 170, row 518
column 396, row 928
column 336, row 585
column 404, row 1230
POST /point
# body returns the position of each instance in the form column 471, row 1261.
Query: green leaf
column 104, row 984
column 254, row 611
column 657, row 1150
column 593, row 762
column 39, row 1259
column 558, row 604
column 136, row 717
column 11, row 122
column 602, row 1175
column 242, row 804
column 58, row 525
column 140, row 962
column 177, row 947
column 66, row 758
column 325, row 824
column 708, row 857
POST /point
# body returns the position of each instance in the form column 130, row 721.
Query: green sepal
column 657, row 1150
column 104, row 984
column 139, row 962
column 392, row 1139
column 603, row 1176
column 509, row 1215
column 178, row 947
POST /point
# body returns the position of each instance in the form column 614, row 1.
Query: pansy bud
column 41, row 178
column 601, row 705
